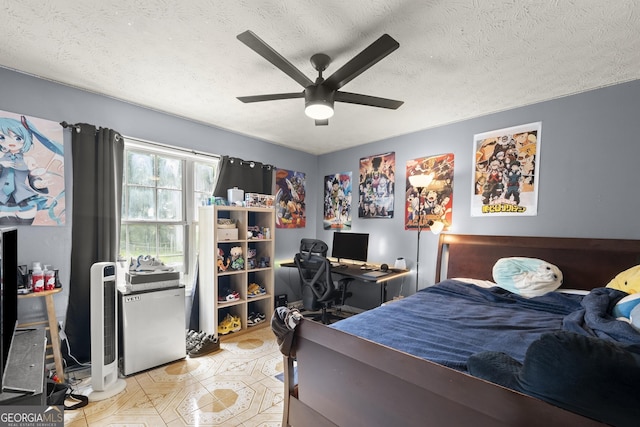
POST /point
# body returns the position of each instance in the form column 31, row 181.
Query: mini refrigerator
column 151, row 328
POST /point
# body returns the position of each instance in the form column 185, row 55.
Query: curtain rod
column 170, row 147
column 77, row 128
column 251, row 163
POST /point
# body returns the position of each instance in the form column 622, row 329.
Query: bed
column 333, row 377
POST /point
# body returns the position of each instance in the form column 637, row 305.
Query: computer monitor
column 351, row 246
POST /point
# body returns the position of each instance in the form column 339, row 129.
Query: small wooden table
column 53, row 326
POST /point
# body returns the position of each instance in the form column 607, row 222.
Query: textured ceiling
column 457, row 59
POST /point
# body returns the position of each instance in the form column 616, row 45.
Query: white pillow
column 478, row 282
column 529, row 277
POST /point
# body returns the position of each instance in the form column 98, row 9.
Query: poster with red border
column 434, row 202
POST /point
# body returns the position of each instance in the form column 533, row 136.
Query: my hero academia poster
column 337, row 201
column 31, row 171
column 377, row 186
column 434, row 202
column 290, row 199
column 505, row 179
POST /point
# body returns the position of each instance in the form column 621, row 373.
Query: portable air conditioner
column 104, row 332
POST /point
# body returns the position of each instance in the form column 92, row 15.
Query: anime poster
column 337, row 201
column 290, row 195
column 377, row 186
column 31, row 171
column 505, row 180
column 435, row 201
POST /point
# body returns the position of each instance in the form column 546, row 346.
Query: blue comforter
column 594, row 319
column 449, row 322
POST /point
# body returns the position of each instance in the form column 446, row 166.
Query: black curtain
column 247, row 175
column 97, row 199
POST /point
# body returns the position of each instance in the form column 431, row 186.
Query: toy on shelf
column 264, row 262
column 251, row 258
column 222, row 266
column 237, row 261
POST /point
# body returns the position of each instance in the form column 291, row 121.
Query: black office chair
column 319, row 289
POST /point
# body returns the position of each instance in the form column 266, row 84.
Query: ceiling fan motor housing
column 320, row 96
column 318, row 101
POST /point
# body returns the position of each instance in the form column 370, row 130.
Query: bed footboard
column 344, row 380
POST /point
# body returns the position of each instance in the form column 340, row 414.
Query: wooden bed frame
column 343, row 380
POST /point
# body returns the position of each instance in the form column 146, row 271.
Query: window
column 162, row 190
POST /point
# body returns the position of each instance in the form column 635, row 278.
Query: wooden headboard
column 585, row 263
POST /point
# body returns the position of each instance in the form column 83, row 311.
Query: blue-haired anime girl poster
column 31, row 171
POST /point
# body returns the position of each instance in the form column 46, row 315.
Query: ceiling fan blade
column 271, row 97
column 261, row 48
column 362, row 62
column 372, row 101
column 324, row 122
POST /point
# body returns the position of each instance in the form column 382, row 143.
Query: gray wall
column 25, row 94
column 588, row 188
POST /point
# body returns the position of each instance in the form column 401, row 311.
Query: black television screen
column 8, row 291
column 351, row 246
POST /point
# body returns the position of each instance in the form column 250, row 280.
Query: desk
column 353, row 271
column 53, row 326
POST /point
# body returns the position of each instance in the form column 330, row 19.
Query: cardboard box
column 227, row 234
column 259, row 200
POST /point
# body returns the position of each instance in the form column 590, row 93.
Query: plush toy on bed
column 627, row 281
column 529, row 277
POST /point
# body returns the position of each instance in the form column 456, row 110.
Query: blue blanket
column 449, row 322
column 594, row 319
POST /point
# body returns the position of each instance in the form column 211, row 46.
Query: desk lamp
column 420, row 182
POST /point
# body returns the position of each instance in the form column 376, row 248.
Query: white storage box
column 227, row 234
column 235, row 195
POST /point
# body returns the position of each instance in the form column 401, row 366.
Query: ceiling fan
column 320, row 95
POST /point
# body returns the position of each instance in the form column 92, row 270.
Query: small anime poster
column 290, row 195
column 337, row 201
column 505, row 178
column 31, row 171
column 434, row 202
column 377, row 186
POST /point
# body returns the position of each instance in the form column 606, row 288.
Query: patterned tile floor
column 235, row 386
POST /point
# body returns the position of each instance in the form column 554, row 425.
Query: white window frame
column 189, row 220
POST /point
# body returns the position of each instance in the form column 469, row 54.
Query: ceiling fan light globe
column 319, row 110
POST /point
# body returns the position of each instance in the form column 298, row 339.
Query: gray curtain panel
column 247, row 175
column 97, row 199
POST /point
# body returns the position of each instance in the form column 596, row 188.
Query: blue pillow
column 529, row 277
column 624, row 307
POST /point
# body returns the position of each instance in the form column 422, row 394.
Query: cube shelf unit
column 212, row 280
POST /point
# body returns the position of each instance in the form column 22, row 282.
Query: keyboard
column 375, row 273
